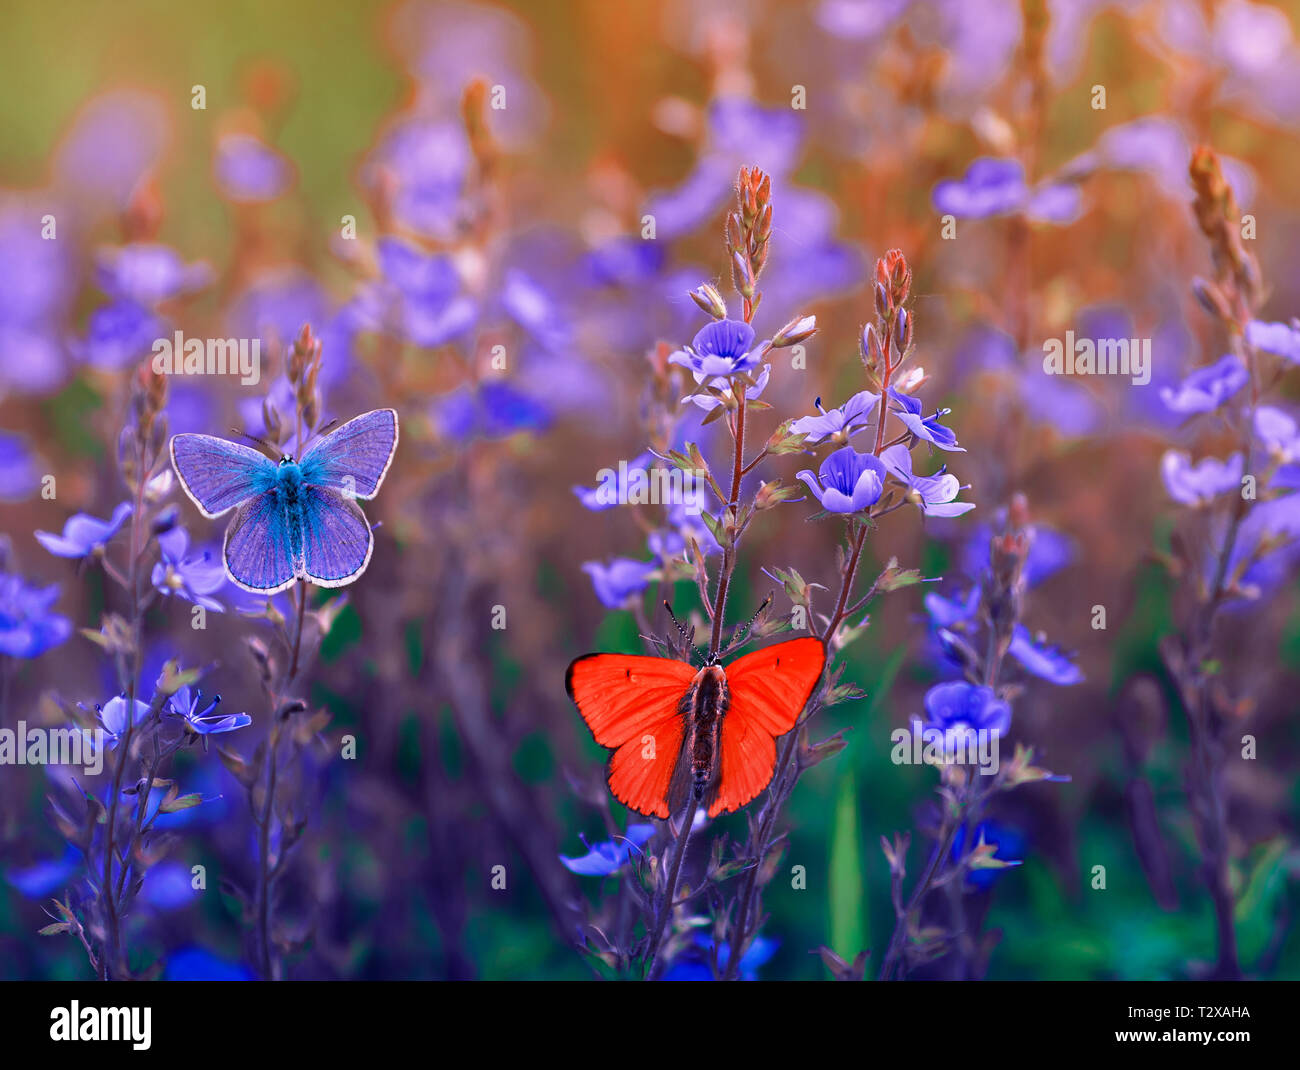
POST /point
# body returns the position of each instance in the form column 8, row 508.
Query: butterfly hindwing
column 262, row 551
column 767, row 691
column 218, row 475
column 336, row 537
column 354, row 458
column 632, row 704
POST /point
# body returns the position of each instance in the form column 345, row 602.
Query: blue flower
column 928, row 428
column 1008, row 844
column 708, row 402
column 846, row 421
column 721, row 348
column 187, row 703
column 1044, row 661
column 619, row 581
column 1201, row 483
column 27, row 627
column 112, row 716
column 849, row 481
column 608, row 857
column 1282, row 339
column 958, row 709
column 83, row 534
column 1205, row 389
column 190, row 576
column 935, row 495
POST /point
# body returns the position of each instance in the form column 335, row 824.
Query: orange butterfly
column 677, row 731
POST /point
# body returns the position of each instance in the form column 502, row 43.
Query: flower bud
column 710, row 301
column 796, row 331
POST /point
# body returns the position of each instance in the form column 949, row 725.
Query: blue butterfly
column 296, row 520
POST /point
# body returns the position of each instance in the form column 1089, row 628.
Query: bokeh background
column 470, row 755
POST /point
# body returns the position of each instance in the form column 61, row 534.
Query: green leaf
column 847, row 916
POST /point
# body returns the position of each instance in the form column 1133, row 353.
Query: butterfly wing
column 768, row 690
column 261, row 550
column 632, row 704
column 354, row 458
column 336, row 537
column 218, row 475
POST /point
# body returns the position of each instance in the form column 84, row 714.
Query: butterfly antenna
column 254, row 438
column 688, row 635
column 743, row 629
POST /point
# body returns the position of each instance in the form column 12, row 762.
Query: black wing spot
column 627, row 673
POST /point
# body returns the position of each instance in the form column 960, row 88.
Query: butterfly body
column 298, row 519
column 679, row 733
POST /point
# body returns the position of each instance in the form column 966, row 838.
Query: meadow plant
column 716, row 911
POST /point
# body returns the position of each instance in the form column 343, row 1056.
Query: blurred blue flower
column 27, row 626
column 249, row 171
column 947, row 612
column 847, row 420
column 146, row 273
column 696, row 966
column 619, row 581
column 935, row 494
column 1199, row 484
column 46, row 877
column 1277, row 432
column 118, row 334
column 720, row 348
column 199, row 964
column 1283, row 339
column 188, row 704
column 168, row 886
column 1205, row 389
column 494, row 409
column 84, row 534
column 928, row 428
column 1049, row 551
column 1009, row 844
column 1044, row 661
column 849, row 481
column 993, row 187
column 609, row 856
column 603, row 496
column 423, row 164
column 193, row 577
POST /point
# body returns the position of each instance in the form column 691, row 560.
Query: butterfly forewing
column 218, row 475
column 632, row 704
column 354, row 458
